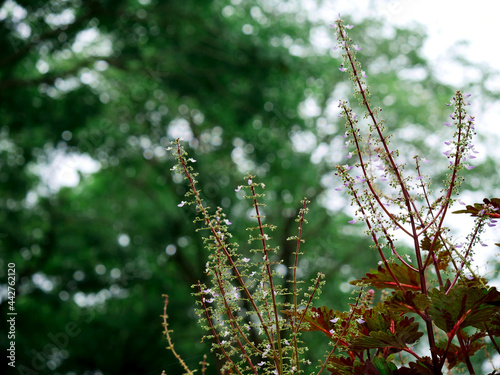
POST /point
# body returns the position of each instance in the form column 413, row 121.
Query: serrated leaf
column 462, row 307
column 383, row 366
column 408, row 301
column 318, row 319
column 443, row 255
column 381, row 278
column 425, row 244
column 384, row 329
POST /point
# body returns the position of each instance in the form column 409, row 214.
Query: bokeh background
column 91, row 93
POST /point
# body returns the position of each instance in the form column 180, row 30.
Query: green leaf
column 408, row 301
column 443, row 255
column 383, row 329
column 382, row 278
column 462, row 307
column 383, row 366
column 425, row 244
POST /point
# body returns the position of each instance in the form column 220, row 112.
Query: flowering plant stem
column 244, row 308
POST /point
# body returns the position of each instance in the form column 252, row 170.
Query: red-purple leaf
column 318, row 319
column 384, row 329
column 382, row 278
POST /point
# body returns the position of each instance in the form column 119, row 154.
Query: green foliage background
column 232, row 78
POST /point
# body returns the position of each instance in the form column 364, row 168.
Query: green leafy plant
column 431, row 295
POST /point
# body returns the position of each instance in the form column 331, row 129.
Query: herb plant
column 434, row 312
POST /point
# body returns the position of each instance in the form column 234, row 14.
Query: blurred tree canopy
column 111, row 83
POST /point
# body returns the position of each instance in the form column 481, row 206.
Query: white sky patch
column 123, row 239
column 416, row 74
column 239, row 155
column 309, row 108
column 91, row 42
column 179, row 128
column 66, row 17
column 303, row 141
column 42, row 66
column 67, row 84
column 319, row 153
column 23, row 30
column 298, row 50
column 42, row 282
column 92, row 299
column 12, row 10
column 63, row 169
column 84, row 39
column 321, row 38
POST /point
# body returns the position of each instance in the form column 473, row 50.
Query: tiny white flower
column 249, row 181
column 181, row 204
column 246, row 260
